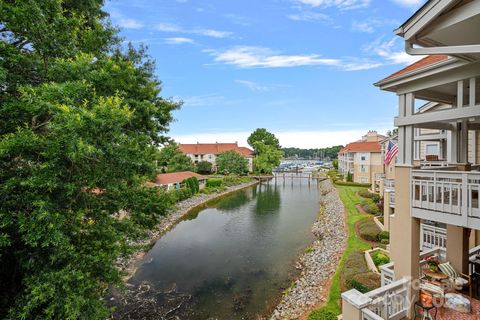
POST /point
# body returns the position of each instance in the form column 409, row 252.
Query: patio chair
column 458, row 281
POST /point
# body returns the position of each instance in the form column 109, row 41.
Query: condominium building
column 447, row 194
column 363, row 158
column 209, row 152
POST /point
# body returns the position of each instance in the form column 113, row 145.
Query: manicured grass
column 350, row 199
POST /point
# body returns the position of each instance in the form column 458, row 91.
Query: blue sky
column 303, row 69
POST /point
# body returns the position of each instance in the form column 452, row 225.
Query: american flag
column 392, row 151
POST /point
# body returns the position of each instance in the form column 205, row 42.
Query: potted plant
column 432, row 263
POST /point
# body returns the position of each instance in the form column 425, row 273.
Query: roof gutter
column 448, row 50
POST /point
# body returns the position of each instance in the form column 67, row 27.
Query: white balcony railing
column 392, row 199
column 387, row 274
column 391, row 301
column 432, row 237
column 389, row 184
column 450, row 197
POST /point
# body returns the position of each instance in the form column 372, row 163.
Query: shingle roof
column 166, row 178
column 363, row 146
column 214, row 148
column 420, row 64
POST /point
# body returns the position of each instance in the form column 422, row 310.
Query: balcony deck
column 450, row 197
column 448, row 314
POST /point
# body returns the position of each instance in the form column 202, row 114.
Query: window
column 431, row 149
column 363, row 180
column 364, row 156
column 363, row 168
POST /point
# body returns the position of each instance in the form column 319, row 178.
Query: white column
column 472, row 93
column 463, row 142
column 452, row 143
column 406, row 133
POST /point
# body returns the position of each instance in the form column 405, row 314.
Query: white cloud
column 167, row 27
column 391, row 52
column 409, row 3
column 259, row 57
column 171, row 27
column 240, row 20
column 178, row 40
column 125, row 22
column 253, row 85
column 300, row 139
column 340, row 4
column 309, row 16
column 371, row 24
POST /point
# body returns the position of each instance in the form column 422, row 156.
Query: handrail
column 368, row 314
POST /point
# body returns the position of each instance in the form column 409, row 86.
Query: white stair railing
column 387, row 274
column 391, row 301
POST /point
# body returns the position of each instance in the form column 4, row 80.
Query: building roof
column 363, row 146
column 342, row 151
column 420, row 64
column 214, row 148
column 167, row 178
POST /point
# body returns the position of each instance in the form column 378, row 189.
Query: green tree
column 349, row 177
column 166, row 154
column 180, row 162
column 335, row 164
column 81, row 121
column 262, row 135
column 267, row 158
column 231, row 162
column 204, row 167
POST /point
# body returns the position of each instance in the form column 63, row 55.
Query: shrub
column 369, row 206
column 233, row 180
column 368, row 230
column 379, row 258
column 182, row 194
column 349, row 177
column 322, row 314
column 204, row 167
column 355, row 264
column 351, row 184
column 365, row 282
column 384, row 235
column 214, row 182
column 385, row 241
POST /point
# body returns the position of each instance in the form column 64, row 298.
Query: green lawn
column 350, row 199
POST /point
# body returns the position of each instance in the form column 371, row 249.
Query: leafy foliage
column 171, row 159
column 231, row 162
column 204, row 167
column 214, row 182
column 368, row 230
column 81, row 119
column 180, row 162
column 262, row 135
column 267, row 158
column 330, row 153
column 379, row 258
column 349, row 177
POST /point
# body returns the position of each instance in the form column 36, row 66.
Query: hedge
column 323, row 314
column 369, row 206
column 214, row 182
column 352, row 184
column 368, row 230
column 379, row 258
column 365, row 282
column 384, row 235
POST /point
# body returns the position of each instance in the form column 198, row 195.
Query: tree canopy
column 262, row 135
column 204, row 167
column 81, row 120
column 330, row 153
column 171, row 159
column 231, row 162
column 267, row 158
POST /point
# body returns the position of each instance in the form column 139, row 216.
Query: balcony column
column 458, row 247
column 452, row 143
column 406, row 133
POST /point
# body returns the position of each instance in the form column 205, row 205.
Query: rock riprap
column 320, row 262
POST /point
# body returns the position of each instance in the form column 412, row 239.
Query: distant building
column 209, row 152
column 362, row 158
column 173, row 181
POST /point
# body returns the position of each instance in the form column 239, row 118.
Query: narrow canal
column 228, row 260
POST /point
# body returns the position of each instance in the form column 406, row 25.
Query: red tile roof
column 363, row 146
column 420, row 64
column 166, row 178
column 214, row 148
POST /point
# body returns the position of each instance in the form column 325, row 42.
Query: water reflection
column 231, row 260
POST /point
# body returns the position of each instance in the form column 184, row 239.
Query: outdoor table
column 434, row 275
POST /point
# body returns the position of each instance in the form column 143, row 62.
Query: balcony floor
column 448, row 314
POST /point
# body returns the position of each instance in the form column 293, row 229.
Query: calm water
column 229, row 260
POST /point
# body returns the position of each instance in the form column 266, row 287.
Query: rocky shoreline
column 131, row 263
column 320, row 262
